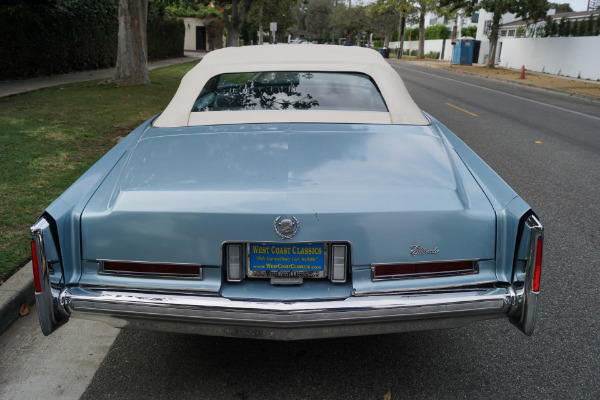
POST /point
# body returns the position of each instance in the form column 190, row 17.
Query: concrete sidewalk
column 9, row 88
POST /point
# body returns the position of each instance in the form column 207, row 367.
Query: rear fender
column 524, row 309
column 46, row 260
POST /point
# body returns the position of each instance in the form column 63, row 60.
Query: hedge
column 45, row 37
column 165, row 38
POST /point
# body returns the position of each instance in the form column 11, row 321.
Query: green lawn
column 49, row 137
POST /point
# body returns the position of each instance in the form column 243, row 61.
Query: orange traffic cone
column 522, row 73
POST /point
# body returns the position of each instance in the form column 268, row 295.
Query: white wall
column 569, row 56
column 189, row 41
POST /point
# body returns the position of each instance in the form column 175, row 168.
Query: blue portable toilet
column 463, row 51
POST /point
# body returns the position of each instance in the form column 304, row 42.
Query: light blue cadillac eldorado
column 289, row 192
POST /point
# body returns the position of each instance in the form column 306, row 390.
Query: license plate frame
column 287, row 260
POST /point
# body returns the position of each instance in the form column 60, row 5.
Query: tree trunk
column 494, row 36
column 234, row 19
column 260, row 25
column 401, row 38
column 233, row 37
column 386, row 40
column 421, row 53
column 132, row 50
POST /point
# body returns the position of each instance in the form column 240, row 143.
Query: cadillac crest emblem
column 286, row 228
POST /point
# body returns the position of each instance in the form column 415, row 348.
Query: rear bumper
column 353, row 316
column 211, row 314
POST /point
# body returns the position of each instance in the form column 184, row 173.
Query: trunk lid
column 182, row 192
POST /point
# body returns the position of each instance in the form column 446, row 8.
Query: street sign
column 273, row 26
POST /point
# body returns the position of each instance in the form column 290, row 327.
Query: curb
column 549, row 89
column 15, row 292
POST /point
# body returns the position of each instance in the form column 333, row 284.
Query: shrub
column 433, row 54
column 199, row 11
column 438, row 31
column 59, row 36
column 378, row 44
column 214, row 32
column 165, row 38
column 469, row 31
column 411, row 34
column 562, row 26
column 589, row 26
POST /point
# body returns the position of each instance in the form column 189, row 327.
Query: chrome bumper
column 353, row 316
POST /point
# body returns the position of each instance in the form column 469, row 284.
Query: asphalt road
column 547, row 147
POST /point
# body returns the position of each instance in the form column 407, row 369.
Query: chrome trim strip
column 524, row 309
column 144, row 289
column 453, row 287
column 473, row 271
column 144, row 262
column 102, row 271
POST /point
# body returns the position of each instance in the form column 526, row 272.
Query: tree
column 318, row 15
column 352, row 20
column 279, row 11
column 399, row 8
column 383, row 19
column 424, row 7
column 234, row 15
column 560, row 8
column 132, row 49
column 534, row 10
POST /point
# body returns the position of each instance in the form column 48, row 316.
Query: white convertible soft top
column 292, row 57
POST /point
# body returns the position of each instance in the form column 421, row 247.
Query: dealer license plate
column 293, row 260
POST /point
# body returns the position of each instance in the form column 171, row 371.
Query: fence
column 577, row 57
column 568, row 56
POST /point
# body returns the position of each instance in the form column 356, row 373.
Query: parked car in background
column 289, row 193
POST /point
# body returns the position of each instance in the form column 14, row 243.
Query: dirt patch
column 581, row 86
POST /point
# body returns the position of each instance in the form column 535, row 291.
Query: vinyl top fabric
column 402, row 109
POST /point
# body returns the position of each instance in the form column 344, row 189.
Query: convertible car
column 289, row 192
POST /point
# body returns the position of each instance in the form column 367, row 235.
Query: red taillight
column 152, row 269
column 423, row 269
column 36, row 268
column 537, row 271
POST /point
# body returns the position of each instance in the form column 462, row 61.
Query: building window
column 511, row 33
column 502, row 33
column 487, row 25
column 475, row 18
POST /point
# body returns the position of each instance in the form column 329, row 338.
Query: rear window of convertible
column 285, row 90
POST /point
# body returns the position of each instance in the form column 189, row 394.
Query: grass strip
column 49, row 137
